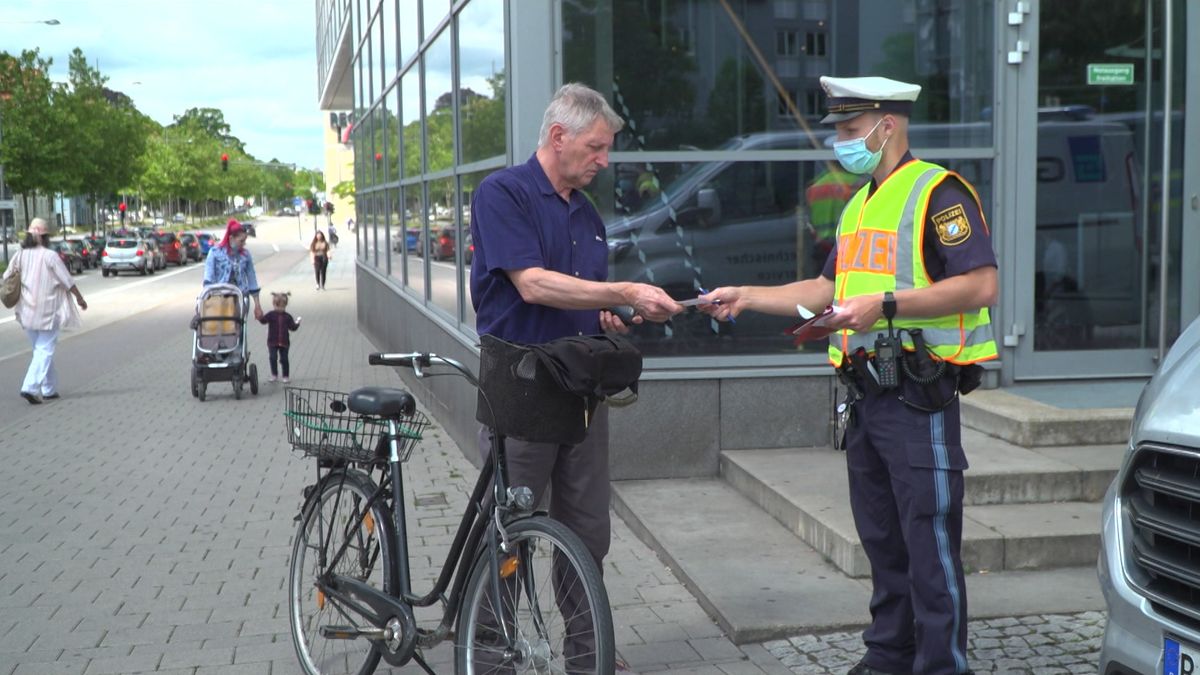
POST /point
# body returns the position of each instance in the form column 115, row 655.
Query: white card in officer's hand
column 695, row 301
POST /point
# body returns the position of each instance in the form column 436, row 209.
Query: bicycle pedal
column 353, row 633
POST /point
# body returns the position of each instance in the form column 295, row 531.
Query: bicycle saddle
column 382, row 402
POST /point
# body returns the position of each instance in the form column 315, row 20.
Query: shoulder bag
column 10, row 290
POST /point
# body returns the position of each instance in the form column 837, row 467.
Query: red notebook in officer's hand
column 814, row 328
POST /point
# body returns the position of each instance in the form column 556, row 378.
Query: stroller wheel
column 195, row 384
column 202, row 391
column 237, row 387
column 254, row 379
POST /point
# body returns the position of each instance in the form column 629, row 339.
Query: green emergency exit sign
column 1110, row 73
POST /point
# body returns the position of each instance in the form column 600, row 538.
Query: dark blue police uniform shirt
column 941, row 260
column 518, row 221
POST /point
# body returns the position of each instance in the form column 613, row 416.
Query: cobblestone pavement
column 1045, row 645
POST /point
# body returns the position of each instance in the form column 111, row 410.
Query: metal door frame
column 1019, row 88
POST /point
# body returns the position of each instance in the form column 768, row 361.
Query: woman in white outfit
column 45, row 308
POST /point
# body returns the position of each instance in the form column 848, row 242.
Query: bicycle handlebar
column 418, row 361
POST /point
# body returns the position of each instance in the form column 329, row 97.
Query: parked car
column 129, row 254
column 172, row 248
column 286, row 211
column 441, row 247
column 97, row 243
column 190, row 244
column 179, row 218
column 1150, row 530
column 155, row 252
column 206, row 241
column 91, row 257
column 69, row 256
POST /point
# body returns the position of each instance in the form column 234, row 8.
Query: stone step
column 1037, row 513
column 1029, row 423
column 759, row 582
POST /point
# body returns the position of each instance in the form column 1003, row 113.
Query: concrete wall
column 677, row 428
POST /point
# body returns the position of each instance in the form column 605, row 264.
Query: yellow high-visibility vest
column 880, row 248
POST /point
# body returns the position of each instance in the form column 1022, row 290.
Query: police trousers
column 906, row 493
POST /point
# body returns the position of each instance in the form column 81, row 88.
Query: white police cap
column 849, row 97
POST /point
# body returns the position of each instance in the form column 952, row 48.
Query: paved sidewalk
column 143, row 531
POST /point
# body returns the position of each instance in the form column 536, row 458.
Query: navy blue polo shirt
column 518, row 221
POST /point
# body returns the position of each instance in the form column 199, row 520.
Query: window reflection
column 442, row 245
column 707, row 85
column 439, row 111
column 395, row 239
column 709, row 224
column 410, row 119
column 410, row 36
column 470, row 182
column 481, row 80
column 414, row 211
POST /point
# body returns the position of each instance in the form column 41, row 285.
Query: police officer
column 911, row 243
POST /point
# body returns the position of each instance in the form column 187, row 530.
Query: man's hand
column 611, row 323
column 723, row 304
column 652, row 302
column 859, row 313
column 258, row 313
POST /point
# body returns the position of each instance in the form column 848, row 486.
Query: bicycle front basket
column 320, row 424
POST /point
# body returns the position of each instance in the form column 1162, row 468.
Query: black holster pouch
column 969, row 378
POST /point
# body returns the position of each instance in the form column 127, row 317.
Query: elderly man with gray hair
column 540, row 272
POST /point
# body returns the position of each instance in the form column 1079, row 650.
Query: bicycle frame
column 481, row 517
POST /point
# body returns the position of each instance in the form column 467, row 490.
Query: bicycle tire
column 308, row 610
column 537, row 541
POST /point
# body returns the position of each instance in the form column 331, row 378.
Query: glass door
column 1097, row 282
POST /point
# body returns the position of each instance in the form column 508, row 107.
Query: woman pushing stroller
column 230, row 263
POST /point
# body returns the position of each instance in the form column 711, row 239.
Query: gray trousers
column 575, row 475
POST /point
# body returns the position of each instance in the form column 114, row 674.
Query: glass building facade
column 1071, row 131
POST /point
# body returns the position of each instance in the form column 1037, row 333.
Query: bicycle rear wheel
column 552, row 602
column 331, row 518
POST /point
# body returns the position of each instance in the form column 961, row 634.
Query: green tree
column 212, row 122
column 104, row 131
column 33, row 151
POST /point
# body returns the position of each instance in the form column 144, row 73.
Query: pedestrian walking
column 230, row 263
column 539, row 273
column 333, row 237
column 44, row 309
column 280, row 326
column 912, row 273
column 320, row 252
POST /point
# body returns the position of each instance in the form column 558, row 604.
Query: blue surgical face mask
column 855, row 156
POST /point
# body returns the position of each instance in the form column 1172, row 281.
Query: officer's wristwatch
column 889, row 305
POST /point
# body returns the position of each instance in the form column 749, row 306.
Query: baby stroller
column 219, row 351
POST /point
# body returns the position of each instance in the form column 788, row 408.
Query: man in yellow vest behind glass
column 912, row 274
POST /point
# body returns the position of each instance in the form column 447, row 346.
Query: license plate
column 1180, row 658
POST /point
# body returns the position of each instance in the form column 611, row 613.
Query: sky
column 255, row 60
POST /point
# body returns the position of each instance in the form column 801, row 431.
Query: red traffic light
column 224, row 161
column 378, row 156
column 122, row 207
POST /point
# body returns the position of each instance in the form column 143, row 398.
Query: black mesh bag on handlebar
column 529, row 404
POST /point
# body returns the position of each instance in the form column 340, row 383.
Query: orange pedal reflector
column 320, row 599
column 369, row 523
column 508, row 566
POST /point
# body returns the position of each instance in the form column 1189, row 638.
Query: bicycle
column 350, row 595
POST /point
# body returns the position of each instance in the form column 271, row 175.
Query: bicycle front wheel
column 552, row 603
column 332, row 517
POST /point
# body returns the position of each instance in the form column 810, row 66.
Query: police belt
column 938, row 389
